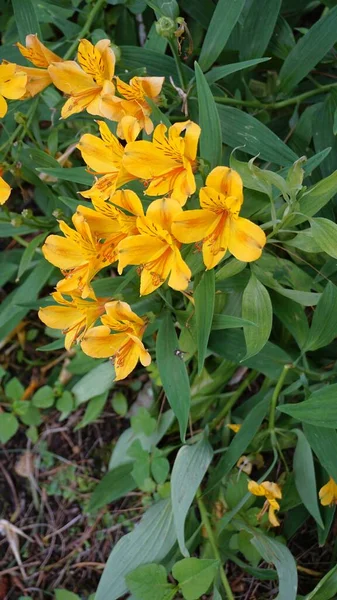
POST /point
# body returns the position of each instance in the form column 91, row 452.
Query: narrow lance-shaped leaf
column 210, row 138
column 324, row 232
column 324, row 323
column 323, row 441
column 204, row 297
column 188, row 471
column 256, row 307
column 258, row 27
column 25, row 19
column 225, row 16
column 173, row 373
column 305, row 478
column 320, row 409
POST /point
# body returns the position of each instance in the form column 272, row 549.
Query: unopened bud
column 16, row 221
column 27, row 213
column 165, row 27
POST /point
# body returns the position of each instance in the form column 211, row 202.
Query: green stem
column 207, row 524
column 275, row 397
column 276, row 105
column 174, row 50
column 86, row 27
column 236, row 395
column 20, row 131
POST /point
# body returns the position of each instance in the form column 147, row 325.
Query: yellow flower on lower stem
column 135, row 107
column 37, row 53
column 272, row 492
column 328, row 493
column 168, row 162
column 104, row 156
column 120, row 338
column 5, row 190
column 89, row 83
column 80, row 255
column 217, row 224
column 75, row 317
column 234, row 426
column 155, row 249
column 12, row 85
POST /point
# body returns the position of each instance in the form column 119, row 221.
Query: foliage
column 191, row 168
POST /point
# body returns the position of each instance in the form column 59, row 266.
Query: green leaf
column 323, row 441
column 225, row 17
column 309, row 50
column 241, row 129
column 258, row 27
column 93, row 410
column 173, row 373
column 149, row 582
column 210, row 138
column 256, row 307
column 324, row 323
column 26, row 19
column 320, row 409
column 223, row 71
column 326, row 588
column 150, row 541
column 324, row 232
column 99, row 380
column 160, row 467
column 28, row 254
column 274, row 552
column 44, row 397
column 314, row 198
column 195, row 576
column 65, row 595
column 65, row 403
column 293, row 317
column 323, row 131
column 229, row 322
column 119, row 404
column 14, row 389
column 204, row 297
column 240, row 442
column 156, row 63
column 8, row 426
column 188, row 471
column 142, row 422
column 114, row 485
column 305, row 478
column 75, row 174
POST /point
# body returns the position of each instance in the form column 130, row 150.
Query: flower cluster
column 115, row 229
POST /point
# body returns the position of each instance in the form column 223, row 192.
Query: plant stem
column 20, row 131
column 174, row 50
column 236, row 395
column 97, row 5
column 207, row 524
column 275, row 397
column 276, row 105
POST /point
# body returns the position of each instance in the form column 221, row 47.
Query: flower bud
column 165, row 27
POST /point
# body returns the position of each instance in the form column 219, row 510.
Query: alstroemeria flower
column 75, row 317
column 135, row 107
column 168, row 162
column 37, row 78
column 12, row 85
column 328, row 493
column 217, row 224
column 80, row 255
column 89, row 83
column 120, row 338
column 272, row 492
column 5, row 191
column 156, row 249
column 104, row 156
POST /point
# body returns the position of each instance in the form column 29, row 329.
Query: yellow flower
column 37, row 78
column 5, row 190
column 168, row 162
column 218, row 224
column 89, row 83
column 104, row 156
column 124, row 347
column 271, row 491
column 75, row 317
column 12, row 85
column 135, row 107
column 156, row 249
column 328, row 493
column 234, row 427
column 80, row 255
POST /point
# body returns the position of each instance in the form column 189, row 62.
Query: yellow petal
column 99, row 343
column 272, row 517
column 328, row 493
column 128, row 200
column 226, row 181
column 90, row 59
column 12, row 82
column 37, row 53
column 104, row 187
column 128, row 128
column 3, row 106
column 272, row 490
column 62, row 252
column 246, row 239
column 60, row 317
column 256, row 489
column 144, row 160
column 100, row 224
column 192, row 134
column 183, row 185
column 234, row 427
column 37, row 80
column 125, row 360
column 193, row 225
column 108, row 58
column 110, row 106
column 139, row 249
column 216, row 242
column 151, row 86
column 68, row 77
column 155, row 273
column 78, row 103
column 164, row 211
column 98, row 155
column 5, row 190
column 180, row 273
column 118, row 312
